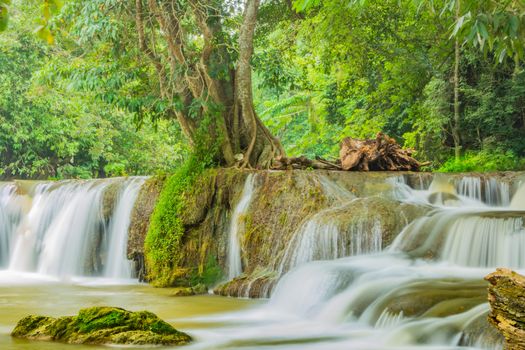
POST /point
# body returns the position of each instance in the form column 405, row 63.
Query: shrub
column 485, row 160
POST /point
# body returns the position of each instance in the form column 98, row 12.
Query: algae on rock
column 101, row 325
column 507, row 302
column 140, row 221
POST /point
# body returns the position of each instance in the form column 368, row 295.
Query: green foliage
column 4, row 14
column 162, row 245
column 493, row 160
column 333, row 69
column 50, row 129
column 492, row 26
column 358, row 68
column 211, row 273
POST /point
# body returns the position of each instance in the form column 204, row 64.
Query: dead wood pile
column 380, row 154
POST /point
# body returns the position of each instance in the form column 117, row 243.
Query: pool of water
column 192, row 314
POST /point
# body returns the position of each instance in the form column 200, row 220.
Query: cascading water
column 237, row 225
column 489, row 190
column 10, row 213
column 66, row 227
column 321, row 238
column 425, row 291
column 118, row 265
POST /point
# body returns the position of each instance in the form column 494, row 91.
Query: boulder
column 507, row 303
column 101, row 325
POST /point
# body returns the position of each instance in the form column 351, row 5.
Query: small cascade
column 485, row 242
column 467, row 238
column 10, row 213
column 335, row 192
column 497, row 193
column 67, row 226
column 518, row 200
column 323, row 237
column 237, row 226
column 469, row 186
column 488, row 190
column 118, row 265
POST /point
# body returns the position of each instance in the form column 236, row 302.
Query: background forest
column 77, row 100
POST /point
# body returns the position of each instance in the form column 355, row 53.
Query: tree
column 211, row 82
column 201, row 53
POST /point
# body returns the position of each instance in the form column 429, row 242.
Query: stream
column 423, row 291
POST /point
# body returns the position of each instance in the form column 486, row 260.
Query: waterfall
column 322, row 238
column 118, row 265
column 467, row 238
column 10, row 213
column 72, row 236
column 237, row 226
column 67, row 226
column 427, row 287
column 489, row 190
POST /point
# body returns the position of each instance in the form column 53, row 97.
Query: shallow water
column 57, row 299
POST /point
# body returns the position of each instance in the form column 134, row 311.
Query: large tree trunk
column 227, row 115
column 262, row 146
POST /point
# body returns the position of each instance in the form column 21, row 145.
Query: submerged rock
column 507, row 302
column 101, row 325
column 189, row 291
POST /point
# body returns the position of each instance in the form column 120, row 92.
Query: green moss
column 92, row 319
column 162, row 244
column 210, row 275
column 101, row 325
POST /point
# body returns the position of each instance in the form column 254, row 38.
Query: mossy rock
column 101, row 325
column 189, row 291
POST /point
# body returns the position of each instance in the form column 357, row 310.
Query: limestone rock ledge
column 101, row 325
column 507, row 302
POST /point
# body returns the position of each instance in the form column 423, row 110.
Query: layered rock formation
column 289, row 208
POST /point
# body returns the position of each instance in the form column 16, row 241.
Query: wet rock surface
column 507, row 302
column 101, row 325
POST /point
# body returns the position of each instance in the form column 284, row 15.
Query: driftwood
column 381, row 153
column 507, row 303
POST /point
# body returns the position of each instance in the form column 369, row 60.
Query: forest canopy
column 108, row 87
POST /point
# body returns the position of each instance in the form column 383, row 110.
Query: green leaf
column 4, row 16
column 514, row 25
column 482, row 30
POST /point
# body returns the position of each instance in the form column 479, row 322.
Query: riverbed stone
column 101, row 325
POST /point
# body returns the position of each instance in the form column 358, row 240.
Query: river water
column 42, row 296
column 424, row 291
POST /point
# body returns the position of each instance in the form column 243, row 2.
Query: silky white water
column 340, row 288
column 237, row 227
column 118, row 265
column 10, row 212
column 60, row 229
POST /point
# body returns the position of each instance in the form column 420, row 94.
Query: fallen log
column 381, row 153
column 507, row 303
